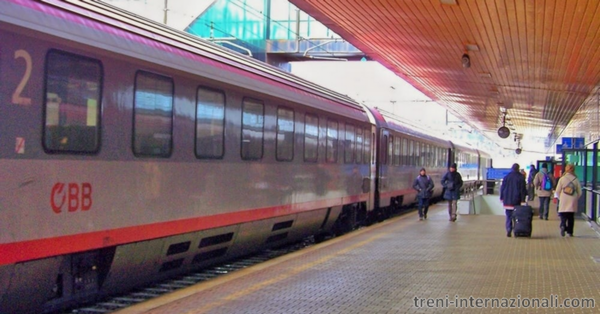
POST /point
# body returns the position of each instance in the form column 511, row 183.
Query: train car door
column 372, row 176
column 382, row 167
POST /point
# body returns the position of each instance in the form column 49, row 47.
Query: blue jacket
column 424, row 185
column 513, row 190
column 452, row 183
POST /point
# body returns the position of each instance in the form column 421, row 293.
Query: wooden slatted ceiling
column 543, row 56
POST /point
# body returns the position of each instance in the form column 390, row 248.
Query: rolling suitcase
column 522, row 221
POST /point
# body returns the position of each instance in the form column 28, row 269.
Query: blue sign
column 573, row 143
column 559, row 148
column 497, row 173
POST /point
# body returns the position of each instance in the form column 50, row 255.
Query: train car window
column 285, row 134
column 349, row 144
column 442, row 156
column 446, row 158
column 411, row 153
column 390, row 151
column 210, row 123
column 253, row 119
column 311, row 138
column 424, row 154
column 367, row 158
column 404, row 157
column 418, row 154
column 152, row 115
column 332, row 141
column 384, row 148
column 397, row 144
column 72, row 103
column 359, row 145
column 423, row 158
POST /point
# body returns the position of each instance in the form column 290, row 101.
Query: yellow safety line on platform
column 279, row 278
column 202, row 286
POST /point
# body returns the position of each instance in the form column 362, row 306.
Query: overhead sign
column 573, row 143
column 559, row 148
column 497, row 173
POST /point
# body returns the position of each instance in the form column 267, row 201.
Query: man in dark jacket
column 424, row 186
column 513, row 192
column 452, row 183
column 530, row 187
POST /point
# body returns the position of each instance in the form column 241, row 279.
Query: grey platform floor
column 455, row 267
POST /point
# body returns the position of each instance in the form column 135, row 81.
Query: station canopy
column 533, row 65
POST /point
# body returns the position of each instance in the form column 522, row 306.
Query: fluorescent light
column 472, row 47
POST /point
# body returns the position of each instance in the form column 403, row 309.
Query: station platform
column 404, row 265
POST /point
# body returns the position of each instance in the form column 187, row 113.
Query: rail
column 470, row 189
column 470, row 202
column 589, row 204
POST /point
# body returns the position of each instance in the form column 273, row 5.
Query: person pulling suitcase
column 513, row 192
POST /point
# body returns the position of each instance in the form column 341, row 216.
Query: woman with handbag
column 568, row 191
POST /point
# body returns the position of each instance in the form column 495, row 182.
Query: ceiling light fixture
column 503, row 131
column 449, row 2
column 466, row 61
column 471, row 47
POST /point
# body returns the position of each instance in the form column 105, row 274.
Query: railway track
column 115, row 303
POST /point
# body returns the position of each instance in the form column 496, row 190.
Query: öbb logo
column 74, row 195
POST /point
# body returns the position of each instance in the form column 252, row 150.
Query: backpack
column 546, row 183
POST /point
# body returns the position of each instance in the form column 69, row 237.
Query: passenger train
column 132, row 152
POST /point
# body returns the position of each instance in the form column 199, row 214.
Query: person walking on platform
column 568, row 191
column 452, row 183
column 513, row 192
column 530, row 186
column 544, row 184
column 424, row 186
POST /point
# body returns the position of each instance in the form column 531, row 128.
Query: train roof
column 484, row 154
column 101, row 25
column 387, row 120
column 464, row 148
